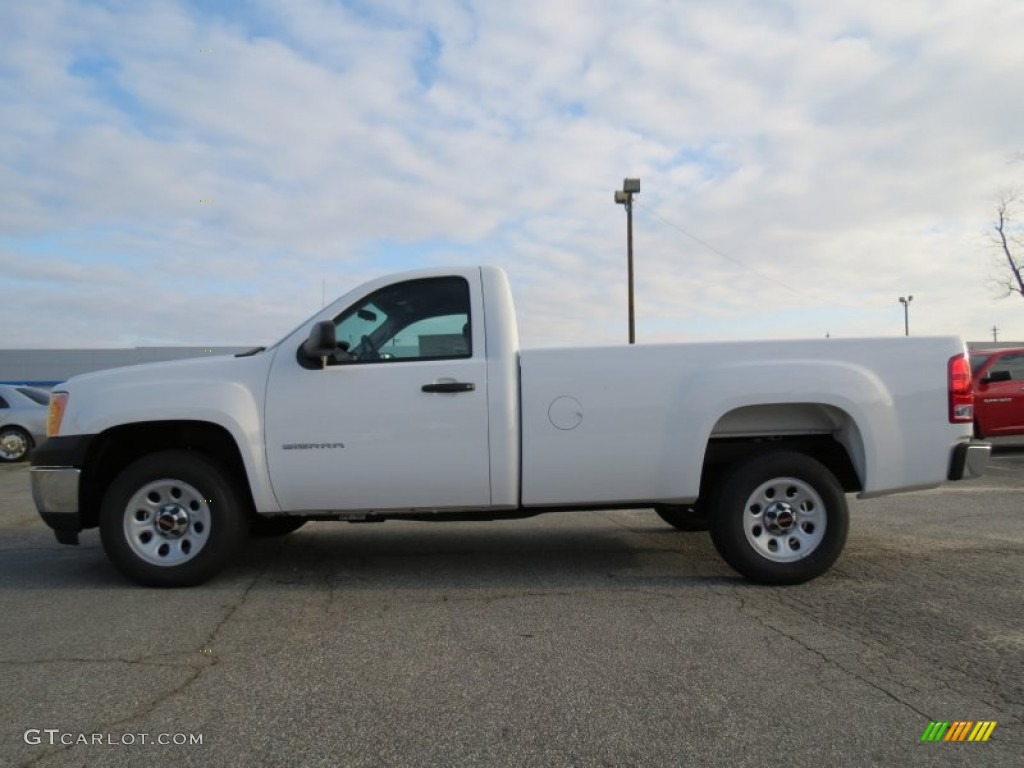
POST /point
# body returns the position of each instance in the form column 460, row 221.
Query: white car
column 22, row 420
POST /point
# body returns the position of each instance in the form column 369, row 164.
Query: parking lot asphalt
column 572, row 639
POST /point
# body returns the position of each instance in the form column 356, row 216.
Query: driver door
column 397, row 420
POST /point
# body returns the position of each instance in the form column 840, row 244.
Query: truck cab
column 411, row 384
column 998, row 376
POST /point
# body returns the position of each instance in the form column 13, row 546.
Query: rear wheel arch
column 824, row 431
column 724, row 454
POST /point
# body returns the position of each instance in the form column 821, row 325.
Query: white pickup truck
column 409, row 398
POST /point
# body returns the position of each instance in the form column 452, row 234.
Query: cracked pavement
column 571, row 639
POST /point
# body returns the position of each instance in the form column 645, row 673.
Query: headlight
column 58, row 402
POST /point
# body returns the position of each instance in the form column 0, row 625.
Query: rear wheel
column 779, row 518
column 684, row 517
column 172, row 519
column 15, row 444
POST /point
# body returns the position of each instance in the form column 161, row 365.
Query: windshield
column 977, row 361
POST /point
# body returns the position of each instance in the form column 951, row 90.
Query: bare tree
column 1007, row 238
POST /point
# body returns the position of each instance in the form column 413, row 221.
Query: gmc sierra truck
column 409, row 398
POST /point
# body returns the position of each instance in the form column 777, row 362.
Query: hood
column 223, row 390
column 213, row 367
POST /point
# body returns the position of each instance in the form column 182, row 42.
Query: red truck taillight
column 961, row 396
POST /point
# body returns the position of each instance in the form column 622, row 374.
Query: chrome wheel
column 14, row 444
column 779, row 517
column 784, row 519
column 172, row 519
column 167, row 522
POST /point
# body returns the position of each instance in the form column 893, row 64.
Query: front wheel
column 172, row 519
column 779, row 518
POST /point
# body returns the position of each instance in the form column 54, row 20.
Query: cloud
column 193, row 172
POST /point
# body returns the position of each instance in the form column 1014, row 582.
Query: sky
column 203, row 173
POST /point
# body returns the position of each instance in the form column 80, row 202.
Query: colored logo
column 958, row 730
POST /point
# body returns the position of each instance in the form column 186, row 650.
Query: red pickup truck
column 998, row 376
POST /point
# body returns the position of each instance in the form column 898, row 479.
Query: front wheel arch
column 113, row 449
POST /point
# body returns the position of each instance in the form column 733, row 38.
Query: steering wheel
column 370, row 351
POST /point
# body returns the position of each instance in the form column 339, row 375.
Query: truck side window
column 425, row 319
column 1014, row 363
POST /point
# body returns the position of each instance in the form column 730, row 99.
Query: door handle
column 450, row 386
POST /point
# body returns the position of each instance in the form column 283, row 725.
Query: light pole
column 905, row 301
column 624, row 197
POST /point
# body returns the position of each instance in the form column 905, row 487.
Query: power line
column 726, row 256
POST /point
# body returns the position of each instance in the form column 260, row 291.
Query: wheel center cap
column 172, row 520
column 779, row 517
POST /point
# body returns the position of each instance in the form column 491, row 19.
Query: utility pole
column 624, row 197
column 995, row 334
column 905, row 301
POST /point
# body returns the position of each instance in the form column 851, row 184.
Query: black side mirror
column 994, row 376
column 322, row 342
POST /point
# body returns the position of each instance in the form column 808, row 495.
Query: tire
column 779, row 518
column 15, row 444
column 262, row 526
column 683, row 517
column 172, row 519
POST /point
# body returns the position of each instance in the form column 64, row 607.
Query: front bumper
column 969, row 460
column 56, row 482
column 55, row 493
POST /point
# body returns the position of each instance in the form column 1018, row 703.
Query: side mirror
column 994, row 376
column 322, row 342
